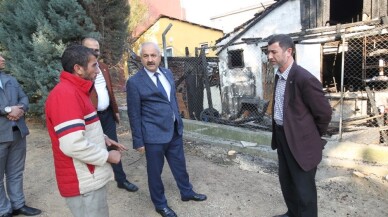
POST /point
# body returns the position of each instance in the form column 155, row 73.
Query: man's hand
column 16, row 113
column 141, row 150
column 111, row 143
column 114, row 157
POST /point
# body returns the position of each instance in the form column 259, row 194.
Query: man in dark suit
column 104, row 101
column 301, row 115
column 157, row 127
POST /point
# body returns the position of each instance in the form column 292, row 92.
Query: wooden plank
column 182, row 106
column 346, row 123
column 383, row 8
column 319, row 13
column 326, row 12
column 375, row 9
column 380, row 121
column 321, row 10
column 313, row 13
column 304, row 13
column 367, row 10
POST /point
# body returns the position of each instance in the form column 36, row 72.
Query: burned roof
column 248, row 24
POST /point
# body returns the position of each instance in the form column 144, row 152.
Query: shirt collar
column 286, row 72
column 152, row 73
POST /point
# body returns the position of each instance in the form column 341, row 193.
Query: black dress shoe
column 166, row 212
column 128, row 186
column 195, row 197
column 27, row 211
column 284, row 215
column 6, row 215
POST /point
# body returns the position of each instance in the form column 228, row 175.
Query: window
column 205, row 46
column 235, row 59
column 345, row 11
column 169, row 52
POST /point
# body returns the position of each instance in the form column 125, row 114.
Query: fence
column 364, row 85
column 230, row 90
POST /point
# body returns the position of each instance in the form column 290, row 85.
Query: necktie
column 159, row 85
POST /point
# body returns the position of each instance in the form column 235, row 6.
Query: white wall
column 216, row 100
column 309, row 57
column 283, row 19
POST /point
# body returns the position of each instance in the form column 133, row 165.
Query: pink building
column 171, row 8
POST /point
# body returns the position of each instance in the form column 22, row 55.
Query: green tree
column 111, row 20
column 139, row 13
column 33, row 35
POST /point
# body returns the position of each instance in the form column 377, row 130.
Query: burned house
column 343, row 43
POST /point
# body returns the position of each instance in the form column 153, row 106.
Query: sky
column 200, row 11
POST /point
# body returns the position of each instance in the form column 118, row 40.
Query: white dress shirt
column 163, row 80
column 102, row 92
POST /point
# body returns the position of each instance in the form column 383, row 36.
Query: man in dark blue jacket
column 157, row 127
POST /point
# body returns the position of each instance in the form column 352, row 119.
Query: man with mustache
column 157, row 127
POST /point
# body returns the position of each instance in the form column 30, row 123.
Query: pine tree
column 111, row 20
column 33, row 35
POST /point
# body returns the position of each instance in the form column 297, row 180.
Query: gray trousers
column 12, row 159
column 91, row 204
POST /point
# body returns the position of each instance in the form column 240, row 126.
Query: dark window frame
column 236, row 58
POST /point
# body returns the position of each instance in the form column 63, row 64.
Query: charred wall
column 319, row 13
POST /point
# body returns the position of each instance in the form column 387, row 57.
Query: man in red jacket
column 81, row 159
column 301, row 115
column 104, row 101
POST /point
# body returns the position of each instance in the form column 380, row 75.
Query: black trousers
column 298, row 186
column 109, row 127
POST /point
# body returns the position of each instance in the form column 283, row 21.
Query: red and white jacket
column 80, row 154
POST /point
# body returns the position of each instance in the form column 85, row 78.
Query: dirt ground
column 243, row 187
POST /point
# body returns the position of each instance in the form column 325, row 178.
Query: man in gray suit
column 13, row 132
column 157, row 127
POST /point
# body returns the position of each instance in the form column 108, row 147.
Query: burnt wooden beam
column 304, row 14
column 320, row 11
column 348, row 122
column 383, row 8
column 367, row 10
column 375, row 8
column 325, row 8
column 375, row 110
column 313, row 13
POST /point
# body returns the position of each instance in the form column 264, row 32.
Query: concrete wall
column 309, row 57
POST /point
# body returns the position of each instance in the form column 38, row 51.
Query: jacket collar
column 147, row 80
column 4, row 78
column 80, row 83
